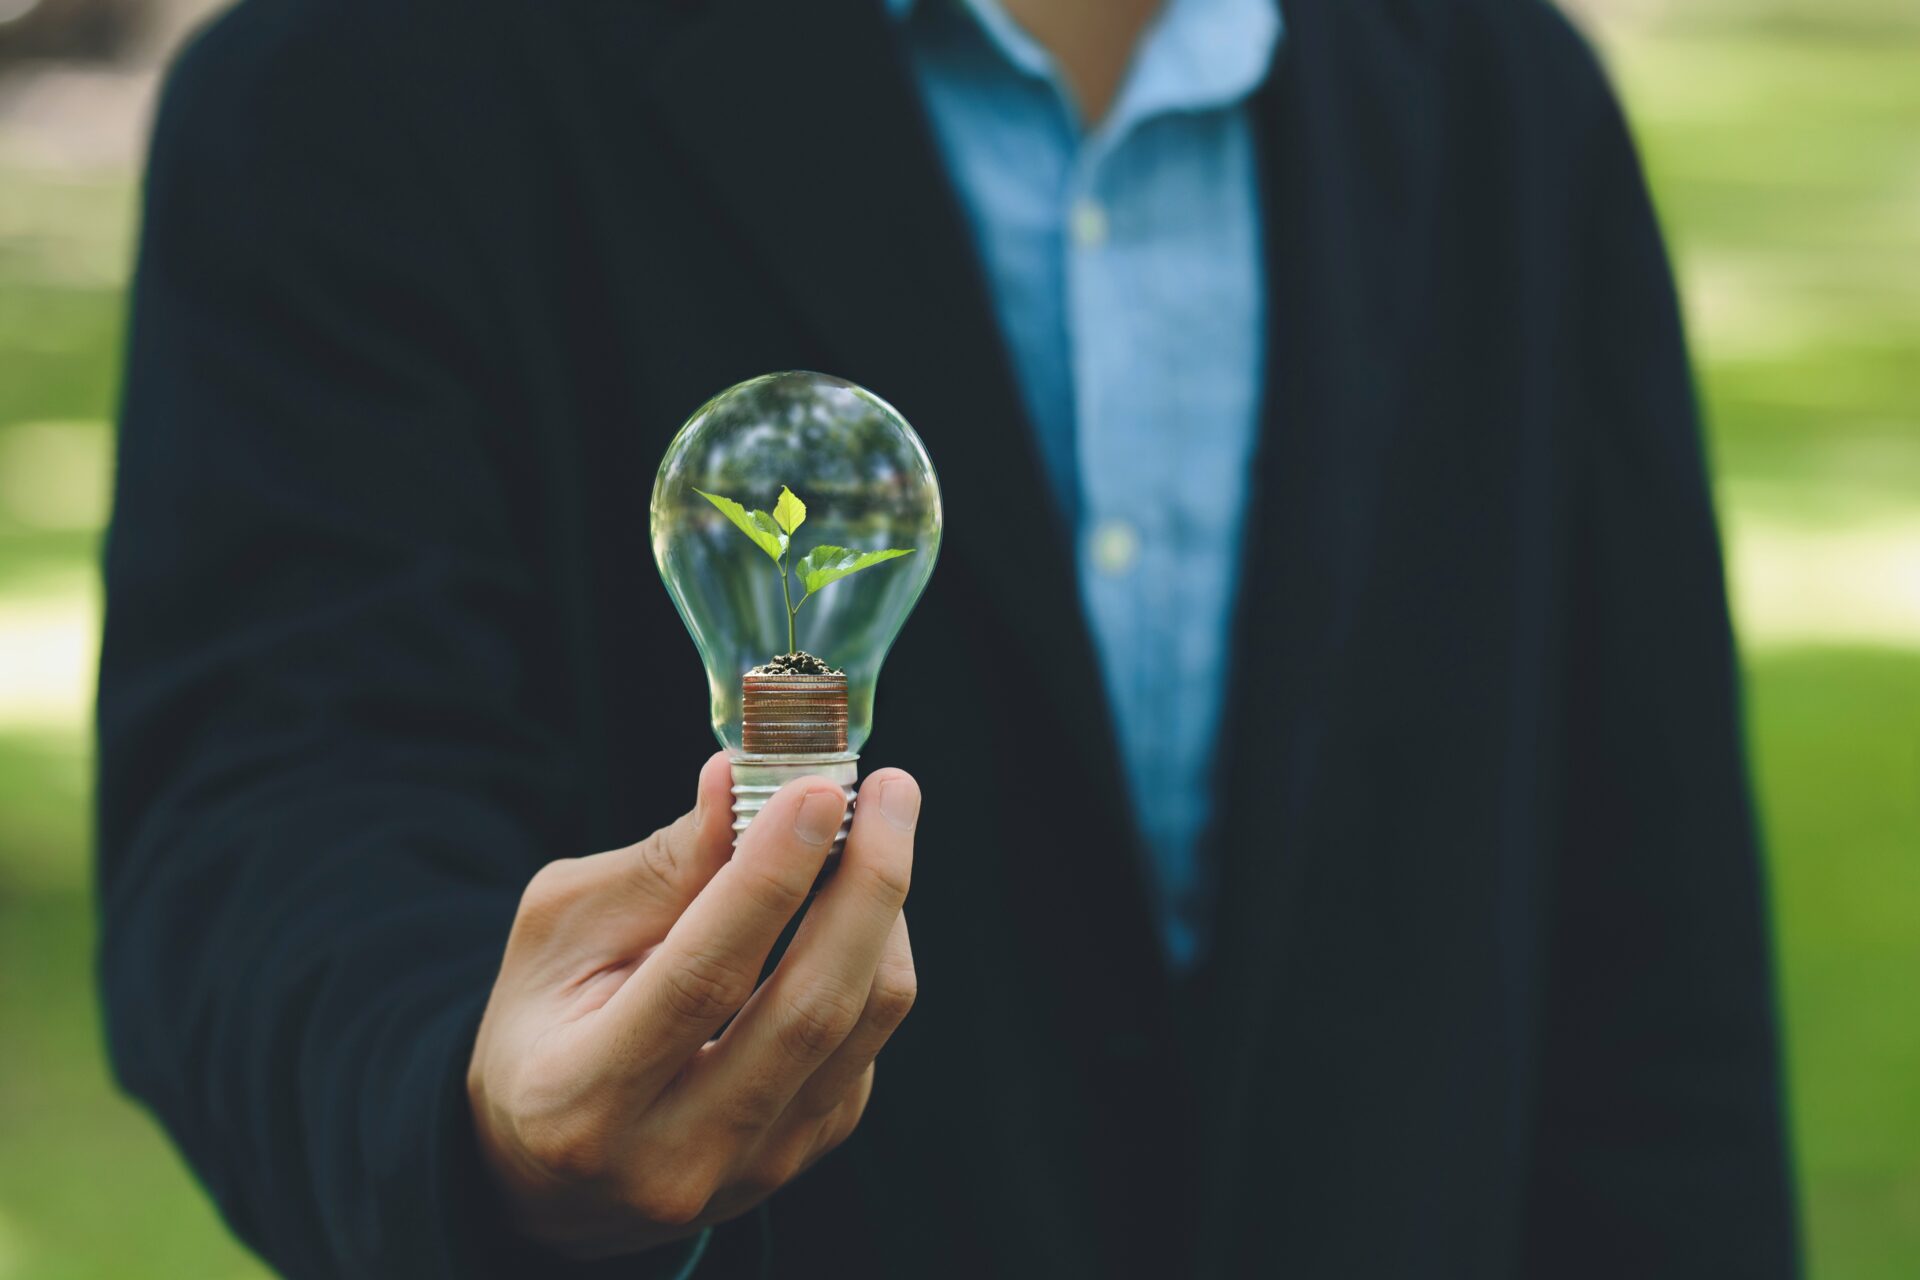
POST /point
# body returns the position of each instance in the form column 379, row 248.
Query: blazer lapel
column 1346, row 163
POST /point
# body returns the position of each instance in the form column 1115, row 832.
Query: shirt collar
column 1197, row 54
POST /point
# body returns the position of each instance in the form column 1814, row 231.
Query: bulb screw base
column 755, row 781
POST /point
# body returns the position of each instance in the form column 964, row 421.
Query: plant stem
column 786, row 594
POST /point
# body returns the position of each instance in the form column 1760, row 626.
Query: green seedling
column 773, row 534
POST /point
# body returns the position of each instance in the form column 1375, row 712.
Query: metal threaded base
column 755, row 781
column 793, row 715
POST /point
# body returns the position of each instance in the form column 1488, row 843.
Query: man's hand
column 604, row 1113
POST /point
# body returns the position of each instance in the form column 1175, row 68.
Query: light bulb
column 729, row 496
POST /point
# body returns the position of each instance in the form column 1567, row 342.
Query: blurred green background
column 1783, row 141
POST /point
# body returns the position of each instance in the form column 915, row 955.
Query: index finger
column 820, row 993
column 710, row 961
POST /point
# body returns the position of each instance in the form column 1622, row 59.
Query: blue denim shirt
column 1126, row 268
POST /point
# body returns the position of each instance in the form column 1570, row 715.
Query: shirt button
column 1116, row 545
column 1089, row 224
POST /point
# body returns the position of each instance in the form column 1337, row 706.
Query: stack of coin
column 793, row 715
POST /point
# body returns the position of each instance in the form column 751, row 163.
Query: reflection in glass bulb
column 867, row 485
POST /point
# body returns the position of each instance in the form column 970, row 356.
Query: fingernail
column 818, row 818
column 900, row 802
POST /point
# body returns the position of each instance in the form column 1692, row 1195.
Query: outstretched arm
column 330, row 758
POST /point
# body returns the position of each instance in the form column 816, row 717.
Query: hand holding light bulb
column 609, row 1118
column 609, row 1121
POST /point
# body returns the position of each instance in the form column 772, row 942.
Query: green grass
column 1836, row 736
column 1785, row 156
column 88, row 1186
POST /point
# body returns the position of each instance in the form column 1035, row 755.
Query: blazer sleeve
column 326, row 770
column 1659, row 1149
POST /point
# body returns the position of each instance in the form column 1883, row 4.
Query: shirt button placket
column 1111, row 545
column 1116, row 547
column 1089, row 223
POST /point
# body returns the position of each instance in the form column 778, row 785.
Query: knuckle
column 543, row 908
column 752, row 1111
column 816, row 1021
column 705, row 988
column 894, row 991
column 886, row 881
column 772, row 890
column 552, row 889
column 672, row 1200
column 566, row 1148
column 657, row 857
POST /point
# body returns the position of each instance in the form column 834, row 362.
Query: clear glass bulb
column 867, row 485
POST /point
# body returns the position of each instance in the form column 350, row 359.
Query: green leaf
column 789, row 513
column 826, row 564
column 770, row 532
column 757, row 525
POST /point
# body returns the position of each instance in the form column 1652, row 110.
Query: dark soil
column 801, row 663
